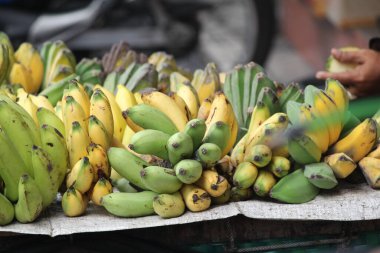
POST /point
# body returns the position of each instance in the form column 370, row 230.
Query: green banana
column 129, row 205
column 303, row 150
column 279, row 166
column 29, row 204
column 188, row 171
column 123, row 185
column 219, row 134
column 179, row 146
column 239, row 194
column 237, row 88
column 146, row 76
column 320, row 175
column 169, row 205
column 150, row 142
column 196, row 129
column 245, row 175
column 269, row 98
column 12, row 167
column 160, row 179
column 224, row 198
column 292, row 92
column 148, row 117
column 43, row 176
column 47, row 117
column 209, row 154
column 54, row 144
column 264, row 182
column 294, row 188
column 127, row 165
column 111, row 81
column 259, row 82
column 7, row 211
column 89, row 71
column 5, row 65
column 260, row 155
column 54, row 92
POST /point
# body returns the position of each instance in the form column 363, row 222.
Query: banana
column 76, row 90
column 53, row 143
column 206, row 82
column 124, row 98
column 204, row 109
column 101, row 108
column 41, row 101
column 259, row 82
column 371, row 170
column 72, row 111
column 169, row 205
column 81, row 176
column 128, row 133
column 188, row 171
column 335, row 90
column 269, row 132
column 99, row 161
column 119, row 123
column 148, row 117
column 359, row 142
column 260, row 155
column 176, row 80
column 279, row 166
column 375, row 153
column 181, row 104
column 78, row 141
column 326, row 109
column 222, row 199
column 238, row 194
column 97, row 133
column 281, row 151
column 20, row 133
column 160, row 179
column 264, row 182
column 129, row 205
column 20, row 75
column 303, row 150
column 234, row 90
column 5, row 64
column 123, row 185
column 219, row 133
column 47, row 117
column 7, row 211
column 220, row 110
column 12, row 167
column 150, row 142
column 237, row 154
column 196, row 129
column 54, row 92
column 341, row 164
column 245, row 175
column 179, row 146
column 288, row 95
column 73, row 203
column 166, row 105
column 196, row 199
column 268, row 96
column 320, row 175
column 29, row 106
column 138, row 98
column 350, row 122
column 127, row 165
column 44, row 175
column 58, row 110
column 260, row 114
column 294, row 189
column 208, row 154
column 29, row 204
column 102, row 188
column 213, row 183
column 112, row 79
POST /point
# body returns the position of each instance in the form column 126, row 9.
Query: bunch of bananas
column 89, row 72
column 6, row 57
column 247, row 85
column 33, row 158
column 169, row 162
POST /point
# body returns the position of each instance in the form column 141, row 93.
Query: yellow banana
column 102, row 188
column 99, row 161
column 119, row 123
column 341, row 164
column 77, row 142
column 20, row 75
column 237, row 154
column 81, row 176
column 206, row 82
column 72, row 111
column 204, row 109
column 190, row 96
column 77, row 91
column 212, row 183
column 338, row 93
column 124, row 98
column 181, row 103
column 359, row 142
column 260, row 114
column 73, row 203
column 98, row 133
column 371, row 169
column 58, row 110
column 101, row 108
column 128, row 133
column 165, row 104
column 176, row 80
column 138, row 98
column 41, row 101
column 196, row 199
column 29, row 106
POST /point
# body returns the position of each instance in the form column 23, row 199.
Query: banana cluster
column 89, row 72
column 33, row 157
column 170, row 160
column 6, row 57
column 91, row 125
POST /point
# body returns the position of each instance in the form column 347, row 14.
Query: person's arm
column 364, row 79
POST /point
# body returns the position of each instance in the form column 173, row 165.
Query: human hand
column 364, row 79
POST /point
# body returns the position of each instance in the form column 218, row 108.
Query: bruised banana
column 212, row 182
column 150, row 142
column 320, row 175
column 341, row 164
column 169, row 205
column 160, row 179
column 222, row 199
column 294, row 188
column 196, row 199
column 179, row 146
column 129, row 205
column 371, row 170
column 99, row 161
column 260, row 155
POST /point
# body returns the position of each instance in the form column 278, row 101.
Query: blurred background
column 292, row 39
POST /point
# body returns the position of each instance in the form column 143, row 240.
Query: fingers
column 347, row 77
column 348, row 56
